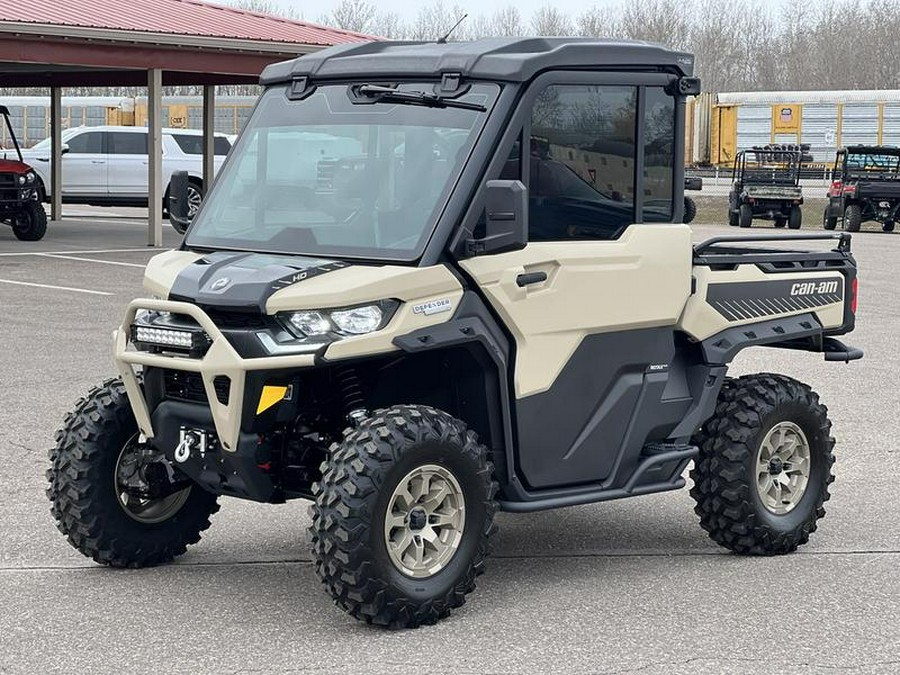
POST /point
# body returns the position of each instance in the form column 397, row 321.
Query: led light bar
column 164, row 337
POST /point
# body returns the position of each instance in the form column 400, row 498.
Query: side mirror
column 64, row 149
column 506, row 212
column 178, row 202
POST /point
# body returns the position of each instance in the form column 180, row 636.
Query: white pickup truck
column 107, row 165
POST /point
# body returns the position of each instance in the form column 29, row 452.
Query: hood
column 13, row 166
column 244, row 281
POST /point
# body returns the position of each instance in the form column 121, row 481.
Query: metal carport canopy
column 146, row 43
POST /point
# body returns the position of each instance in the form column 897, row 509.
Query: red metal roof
column 179, row 17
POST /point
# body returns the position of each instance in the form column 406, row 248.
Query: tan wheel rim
column 782, row 468
column 424, row 522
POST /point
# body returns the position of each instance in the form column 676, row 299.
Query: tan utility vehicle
column 473, row 301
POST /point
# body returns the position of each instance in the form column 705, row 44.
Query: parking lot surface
column 629, row 586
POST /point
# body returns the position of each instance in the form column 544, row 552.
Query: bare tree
column 355, row 15
column 548, row 21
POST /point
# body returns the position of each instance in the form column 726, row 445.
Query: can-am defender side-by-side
column 472, row 301
column 20, row 198
column 866, row 186
column 766, row 185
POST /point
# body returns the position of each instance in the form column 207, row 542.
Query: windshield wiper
column 390, row 95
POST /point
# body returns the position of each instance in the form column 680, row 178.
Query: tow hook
column 190, row 439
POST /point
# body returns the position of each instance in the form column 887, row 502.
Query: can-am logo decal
column 757, row 299
column 219, row 284
column 811, row 287
column 433, row 307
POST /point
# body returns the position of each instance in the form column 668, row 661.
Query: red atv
column 20, row 194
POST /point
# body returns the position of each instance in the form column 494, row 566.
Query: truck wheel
column 30, row 224
column 795, row 219
column 829, row 223
column 98, row 456
column 852, row 218
column 690, row 210
column 402, row 517
column 887, row 226
column 745, row 217
column 762, row 475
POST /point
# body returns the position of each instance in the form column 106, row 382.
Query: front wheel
column 828, row 222
column 402, row 517
column 111, row 493
column 30, row 223
column 762, row 475
column 853, row 218
column 887, row 226
column 690, row 210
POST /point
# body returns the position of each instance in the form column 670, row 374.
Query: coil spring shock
column 351, row 393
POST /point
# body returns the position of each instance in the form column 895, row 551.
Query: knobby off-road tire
column 358, row 490
column 725, row 474
column 733, row 218
column 887, row 226
column 852, row 218
column 31, row 223
column 84, row 494
column 829, row 223
column 795, row 218
column 690, row 210
column 780, row 222
column 745, row 215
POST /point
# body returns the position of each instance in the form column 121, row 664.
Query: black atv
column 766, row 185
column 866, row 186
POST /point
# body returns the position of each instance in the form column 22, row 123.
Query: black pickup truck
column 866, row 187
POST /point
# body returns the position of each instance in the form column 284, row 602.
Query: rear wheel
column 30, row 223
column 795, row 219
column 402, row 517
column 852, row 218
column 101, row 477
column 762, row 475
column 745, row 216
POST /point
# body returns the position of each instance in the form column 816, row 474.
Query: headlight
column 29, row 177
column 359, row 320
column 21, row 179
column 338, row 323
column 310, row 323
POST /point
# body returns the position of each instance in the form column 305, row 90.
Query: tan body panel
column 701, row 320
column 162, row 270
column 641, row 280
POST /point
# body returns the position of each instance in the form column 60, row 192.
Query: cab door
column 592, row 300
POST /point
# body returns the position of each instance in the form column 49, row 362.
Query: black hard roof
column 873, row 149
column 504, row 59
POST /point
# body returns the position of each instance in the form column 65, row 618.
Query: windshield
column 333, row 175
column 873, row 164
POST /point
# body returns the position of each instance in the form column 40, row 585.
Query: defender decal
column 433, row 307
column 753, row 300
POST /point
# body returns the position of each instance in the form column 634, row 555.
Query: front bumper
column 220, row 360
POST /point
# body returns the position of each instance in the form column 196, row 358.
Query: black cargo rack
column 726, row 250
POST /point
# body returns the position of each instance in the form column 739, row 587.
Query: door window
column 126, row 143
column 659, row 155
column 582, row 150
column 90, row 143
